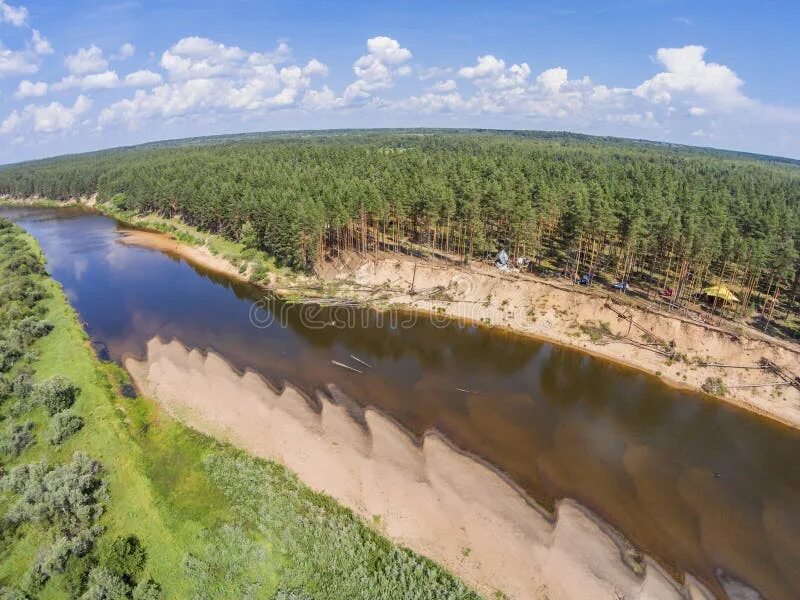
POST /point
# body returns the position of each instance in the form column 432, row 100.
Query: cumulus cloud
column 315, row 67
column 142, row 79
column 23, row 61
column 491, row 71
column 125, row 51
column 447, row 85
column 14, row 62
column 108, row 80
column 384, row 62
column 15, row 15
column 46, row 118
column 86, row 60
column 687, row 72
column 206, row 77
column 39, row 44
column 29, row 89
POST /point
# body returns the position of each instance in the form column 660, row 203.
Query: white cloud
column 11, row 123
column 55, row 116
column 46, row 118
column 86, row 60
column 378, row 69
column 687, row 72
column 207, row 78
column 14, row 62
column 109, row 80
column 488, row 67
column 125, row 51
column 40, row 44
column 15, row 15
column 195, row 57
column 142, row 79
column 447, row 85
column 491, row 71
column 553, row 80
column 697, row 111
column 324, row 99
column 315, row 67
column 28, row 89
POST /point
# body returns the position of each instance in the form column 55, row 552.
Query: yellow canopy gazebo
column 721, row 292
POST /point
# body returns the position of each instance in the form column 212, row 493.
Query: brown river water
column 703, row 487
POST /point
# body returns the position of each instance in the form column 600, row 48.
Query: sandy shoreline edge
column 513, row 300
column 429, row 496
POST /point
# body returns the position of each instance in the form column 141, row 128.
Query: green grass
column 258, row 263
column 215, row 522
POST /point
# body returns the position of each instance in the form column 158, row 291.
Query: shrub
column 6, row 388
column 55, row 394
column 18, row 439
column 69, row 497
column 22, row 385
column 105, row 585
column 147, row 590
column 31, row 328
column 64, row 425
column 10, row 353
column 125, row 556
column 715, row 386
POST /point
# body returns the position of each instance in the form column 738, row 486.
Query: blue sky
column 83, row 75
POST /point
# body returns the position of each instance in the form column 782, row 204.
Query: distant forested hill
column 675, row 215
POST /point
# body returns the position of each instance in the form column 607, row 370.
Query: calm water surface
column 704, row 487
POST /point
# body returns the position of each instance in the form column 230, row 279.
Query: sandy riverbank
column 430, row 497
column 555, row 314
column 197, row 254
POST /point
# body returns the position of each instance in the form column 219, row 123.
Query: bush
column 30, row 329
column 147, row 590
column 55, row 394
column 6, row 388
column 105, row 585
column 69, row 497
column 18, row 439
column 125, row 556
column 715, row 386
column 64, row 425
column 10, row 353
column 22, row 385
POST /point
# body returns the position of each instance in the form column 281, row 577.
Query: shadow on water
column 703, row 486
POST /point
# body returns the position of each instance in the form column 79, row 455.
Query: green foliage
column 63, row 425
column 17, row 439
column 147, row 590
column 124, row 556
column 231, row 565
column 68, row 497
column 55, row 394
column 332, row 554
column 715, row 386
column 105, row 585
column 297, row 196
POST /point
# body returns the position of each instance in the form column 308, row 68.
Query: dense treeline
column 674, row 218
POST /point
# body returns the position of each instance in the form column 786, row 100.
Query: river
column 704, row 487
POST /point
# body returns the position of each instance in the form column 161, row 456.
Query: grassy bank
column 255, row 265
column 135, row 505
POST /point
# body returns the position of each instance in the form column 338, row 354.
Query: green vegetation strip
column 103, row 496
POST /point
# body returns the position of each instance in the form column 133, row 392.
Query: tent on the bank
column 719, row 292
